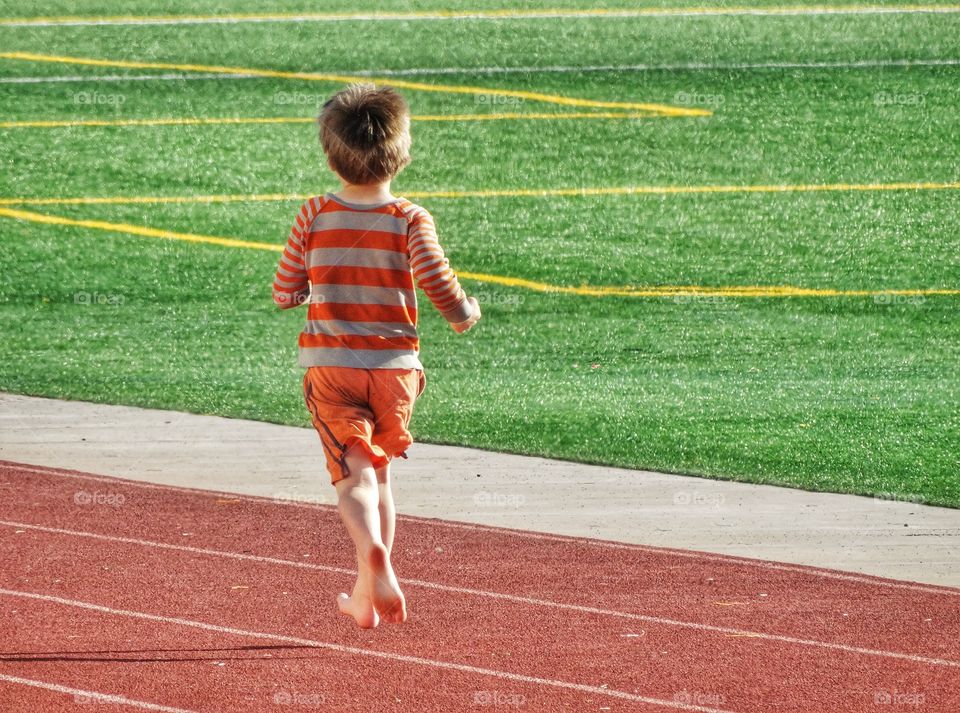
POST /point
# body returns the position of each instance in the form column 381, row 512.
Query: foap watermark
column 898, row 498
column 493, row 99
column 109, row 299
column 82, row 699
column 294, row 698
column 694, row 298
column 85, row 497
column 498, row 298
column 295, row 299
column 699, row 698
column 898, row 698
column 894, row 298
column 698, row 98
column 284, row 498
column 498, row 698
column 99, row 99
column 686, row 498
column 299, row 99
column 499, row 500
column 897, row 99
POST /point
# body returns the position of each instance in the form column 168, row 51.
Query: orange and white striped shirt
column 356, row 267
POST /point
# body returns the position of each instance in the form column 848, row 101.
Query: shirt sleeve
column 290, row 285
column 432, row 271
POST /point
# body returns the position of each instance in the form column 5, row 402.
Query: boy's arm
column 291, row 286
column 433, row 274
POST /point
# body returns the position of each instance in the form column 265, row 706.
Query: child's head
column 365, row 132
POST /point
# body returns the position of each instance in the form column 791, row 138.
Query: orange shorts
column 366, row 407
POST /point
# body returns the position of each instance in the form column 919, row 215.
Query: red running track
column 145, row 597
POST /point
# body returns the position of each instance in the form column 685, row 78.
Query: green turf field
column 856, row 390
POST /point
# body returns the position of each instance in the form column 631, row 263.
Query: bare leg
column 359, row 507
column 388, row 513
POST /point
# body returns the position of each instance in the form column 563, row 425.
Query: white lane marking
column 607, row 544
column 613, row 14
column 403, row 658
column 727, row 631
column 530, row 69
column 82, row 696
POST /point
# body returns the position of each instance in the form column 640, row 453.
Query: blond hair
column 365, row 132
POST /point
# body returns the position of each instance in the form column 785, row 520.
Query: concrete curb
column 900, row 540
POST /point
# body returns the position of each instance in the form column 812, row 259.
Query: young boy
column 354, row 257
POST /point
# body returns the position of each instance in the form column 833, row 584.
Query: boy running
column 354, row 257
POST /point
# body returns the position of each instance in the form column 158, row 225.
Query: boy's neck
column 371, row 193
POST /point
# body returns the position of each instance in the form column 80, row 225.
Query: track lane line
column 518, row 599
column 340, row 648
column 607, row 544
column 93, row 696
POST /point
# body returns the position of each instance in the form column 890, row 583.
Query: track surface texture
column 135, row 596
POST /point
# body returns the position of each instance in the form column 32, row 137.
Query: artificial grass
column 847, row 394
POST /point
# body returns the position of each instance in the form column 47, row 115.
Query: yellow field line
column 473, row 14
column 134, row 230
column 190, row 121
column 695, row 291
column 503, row 193
column 587, row 290
column 530, row 115
column 657, row 109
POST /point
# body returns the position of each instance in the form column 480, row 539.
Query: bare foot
column 359, row 606
column 384, row 590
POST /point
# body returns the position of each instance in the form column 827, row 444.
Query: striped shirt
column 356, row 267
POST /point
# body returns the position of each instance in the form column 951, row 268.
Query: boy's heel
column 385, row 591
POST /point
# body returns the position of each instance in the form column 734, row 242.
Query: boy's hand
column 462, row 327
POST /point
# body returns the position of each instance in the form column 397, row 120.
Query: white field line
column 81, row 696
column 706, row 556
column 691, row 66
column 531, row 69
column 497, row 16
column 530, row 601
column 353, row 650
column 121, row 78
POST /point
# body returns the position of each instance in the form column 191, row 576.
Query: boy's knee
column 358, row 488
